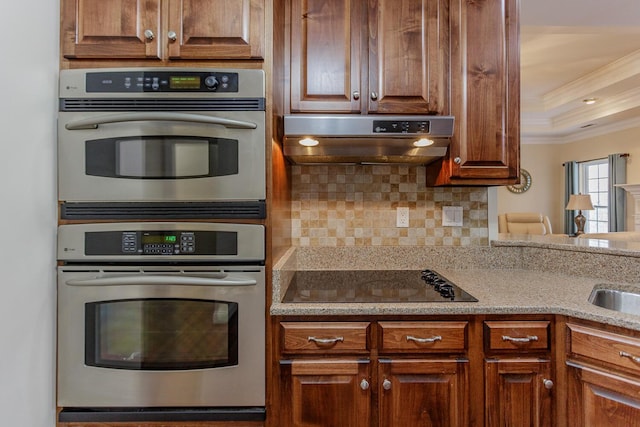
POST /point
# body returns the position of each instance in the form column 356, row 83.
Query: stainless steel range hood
column 366, row 138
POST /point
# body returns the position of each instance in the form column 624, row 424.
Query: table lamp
column 579, row 202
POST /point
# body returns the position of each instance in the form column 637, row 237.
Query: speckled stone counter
column 510, row 277
column 566, row 243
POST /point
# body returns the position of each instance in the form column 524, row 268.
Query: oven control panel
column 161, row 81
column 161, row 243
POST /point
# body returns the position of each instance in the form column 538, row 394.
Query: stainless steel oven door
column 161, row 156
column 161, row 336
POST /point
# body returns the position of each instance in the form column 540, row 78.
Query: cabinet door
column 216, row 29
column 485, row 96
column 418, row 392
column 325, row 392
column 601, row 399
column 515, row 393
column 326, row 52
column 111, row 29
column 409, row 57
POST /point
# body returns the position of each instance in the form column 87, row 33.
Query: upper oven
column 191, row 141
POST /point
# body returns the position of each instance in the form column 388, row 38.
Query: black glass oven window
column 161, row 334
column 161, row 157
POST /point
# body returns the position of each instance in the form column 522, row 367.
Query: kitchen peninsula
column 532, row 336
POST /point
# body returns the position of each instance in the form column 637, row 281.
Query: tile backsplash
column 355, row 205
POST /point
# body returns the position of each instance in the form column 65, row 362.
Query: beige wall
column 547, row 182
column 544, row 162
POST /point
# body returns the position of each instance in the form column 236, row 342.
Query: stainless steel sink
column 612, row 299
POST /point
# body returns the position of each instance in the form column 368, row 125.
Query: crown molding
column 617, row 71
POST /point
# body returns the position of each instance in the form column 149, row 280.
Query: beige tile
column 339, row 205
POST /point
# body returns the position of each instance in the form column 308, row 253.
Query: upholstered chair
column 524, row 223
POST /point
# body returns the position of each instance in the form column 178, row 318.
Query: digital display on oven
column 184, row 82
column 159, row 238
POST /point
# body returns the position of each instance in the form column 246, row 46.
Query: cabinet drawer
column 609, row 348
column 423, row 336
column 325, row 337
column 516, row 335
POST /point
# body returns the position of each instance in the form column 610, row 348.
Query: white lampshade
column 579, row 202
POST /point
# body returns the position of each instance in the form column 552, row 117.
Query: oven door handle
column 94, row 122
column 160, row 280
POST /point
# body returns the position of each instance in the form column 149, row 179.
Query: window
column 594, row 180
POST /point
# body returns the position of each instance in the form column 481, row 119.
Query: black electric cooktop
column 375, row 286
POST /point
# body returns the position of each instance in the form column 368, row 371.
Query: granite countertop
column 562, row 241
column 499, row 290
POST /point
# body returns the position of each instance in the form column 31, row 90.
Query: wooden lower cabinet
column 603, row 376
column 412, row 372
column 601, row 399
column 373, row 374
column 325, row 392
column 423, row 392
column 410, row 392
column 518, row 392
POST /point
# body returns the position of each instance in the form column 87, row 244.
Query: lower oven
column 161, row 315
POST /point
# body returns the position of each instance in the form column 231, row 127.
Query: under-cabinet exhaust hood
column 366, row 139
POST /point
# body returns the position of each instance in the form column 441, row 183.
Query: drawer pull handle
column 325, row 340
column 525, row 339
column 424, row 340
column 630, row 356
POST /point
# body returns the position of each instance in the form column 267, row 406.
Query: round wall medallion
column 525, row 183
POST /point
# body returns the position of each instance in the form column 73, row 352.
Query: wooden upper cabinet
column 485, row 95
column 205, row 29
column 326, row 52
column 163, row 29
column 384, row 56
column 110, row 29
column 408, row 57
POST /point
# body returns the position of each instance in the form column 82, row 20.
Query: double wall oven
column 161, row 306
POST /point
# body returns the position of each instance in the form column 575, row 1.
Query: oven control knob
column 211, row 82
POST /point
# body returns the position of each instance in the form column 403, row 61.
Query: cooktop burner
column 373, row 286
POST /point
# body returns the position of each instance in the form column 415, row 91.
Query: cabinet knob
column 356, row 95
column 172, row 36
column 548, row 384
column 374, row 96
column 386, row 384
column 148, row 34
column 457, row 160
column 364, row 384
